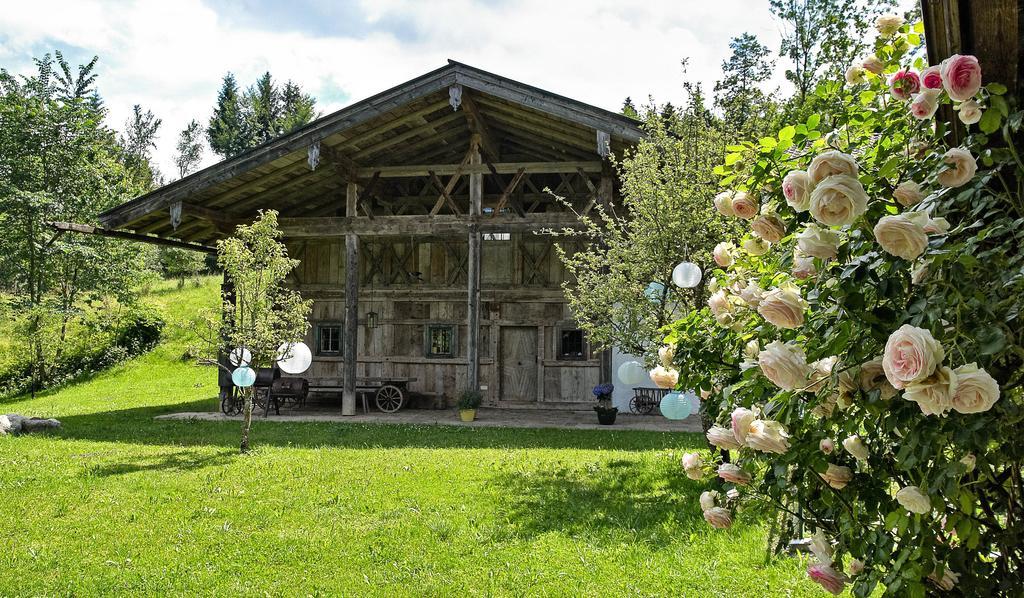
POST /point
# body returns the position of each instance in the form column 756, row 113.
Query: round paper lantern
column 294, row 358
column 669, row 404
column 654, row 291
column 240, row 356
column 244, row 376
column 686, row 275
column 632, row 372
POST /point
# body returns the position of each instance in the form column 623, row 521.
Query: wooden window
column 328, row 338
column 440, row 341
column 572, row 345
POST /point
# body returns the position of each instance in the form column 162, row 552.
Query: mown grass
column 117, row 503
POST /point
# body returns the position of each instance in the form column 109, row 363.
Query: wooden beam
column 88, row 229
column 478, row 126
column 476, row 191
column 417, row 225
column 415, row 170
column 343, row 165
column 445, row 194
column 348, row 397
column 508, row 192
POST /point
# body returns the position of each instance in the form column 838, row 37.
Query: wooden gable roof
column 402, row 131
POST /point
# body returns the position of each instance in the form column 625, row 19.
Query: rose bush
column 884, row 316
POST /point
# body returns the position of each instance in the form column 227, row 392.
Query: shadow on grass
column 138, row 426
column 181, row 460
column 646, row 501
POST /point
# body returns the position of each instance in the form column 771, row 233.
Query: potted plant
column 605, row 412
column 469, row 400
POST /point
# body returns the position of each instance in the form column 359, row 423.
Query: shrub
column 470, row 399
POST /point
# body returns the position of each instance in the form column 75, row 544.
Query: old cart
column 646, row 400
column 390, row 393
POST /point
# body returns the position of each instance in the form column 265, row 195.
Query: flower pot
column 606, row 417
column 467, row 415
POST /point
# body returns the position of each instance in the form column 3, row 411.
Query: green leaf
column 787, row 133
column 769, row 142
column 996, row 88
column 813, row 121
column 989, row 122
column 999, row 103
column 867, row 96
column 914, row 39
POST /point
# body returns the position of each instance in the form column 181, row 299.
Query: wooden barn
column 415, row 214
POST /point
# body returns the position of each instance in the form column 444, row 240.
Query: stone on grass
column 12, row 423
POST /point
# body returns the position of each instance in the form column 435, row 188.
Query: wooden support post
column 348, row 396
column 476, row 187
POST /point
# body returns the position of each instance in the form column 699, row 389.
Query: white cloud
column 170, row 56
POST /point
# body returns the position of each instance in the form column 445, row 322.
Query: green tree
column 629, row 109
column 746, row 108
column 189, row 149
column 138, row 141
column 226, row 132
column 263, row 313
column 263, row 111
column 666, row 216
column 297, row 108
column 181, row 263
column 59, row 163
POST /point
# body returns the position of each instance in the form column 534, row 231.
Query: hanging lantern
column 371, row 320
column 686, row 275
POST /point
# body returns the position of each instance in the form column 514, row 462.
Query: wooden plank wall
column 521, row 279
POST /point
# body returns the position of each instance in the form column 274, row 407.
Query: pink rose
column 911, row 355
column 741, row 420
column 723, row 254
column 961, row 76
column 768, row 436
column 903, row 84
column 745, row 205
column 664, row 377
column 722, row 438
column 824, row 575
column 931, row 78
column 719, row 304
column 925, row 104
column 718, row 517
column 733, row 473
column 796, row 187
column 826, row 446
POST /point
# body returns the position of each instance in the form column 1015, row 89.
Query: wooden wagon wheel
column 390, row 398
column 636, row 405
column 230, row 404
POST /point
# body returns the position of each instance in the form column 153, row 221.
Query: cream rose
column 838, row 200
column 913, row 500
column 924, row 104
column 721, row 437
column 718, row 517
column 911, row 355
column 872, row 377
column 741, row 420
column 723, row 203
column 693, row 465
column 934, row 394
column 819, row 242
column 901, row 235
column 783, row 306
column 821, row 548
column 962, row 167
column 948, row 580
column 784, row 364
column 888, row 24
column 856, row 447
column 919, row 273
column 707, row 499
column 829, row 163
column 745, row 205
column 856, row 567
column 855, row 75
column 961, row 76
column 723, row 254
column 768, row 436
column 976, row 391
column 734, row 474
column 969, row 461
column 769, row 227
column 803, row 266
column 796, row 188
column 826, row 446
column 908, row 193
column 873, row 64
column 665, row 355
column 837, row 476
column 936, row 226
column 755, row 247
column 664, row 377
column 719, row 303
column 970, row 112
column 821, row 372
column 752, row 294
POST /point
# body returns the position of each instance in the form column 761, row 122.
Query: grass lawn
column 117, row 503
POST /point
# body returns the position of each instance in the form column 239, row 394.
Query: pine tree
column 226, row 132
column 629, row 109
column 297, row 108
column 745, row 107
column 190, row 149
column 262, row 104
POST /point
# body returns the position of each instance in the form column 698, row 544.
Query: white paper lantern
column 295, row 358
column 240, row 356
column 632, row 372
column 686, row 275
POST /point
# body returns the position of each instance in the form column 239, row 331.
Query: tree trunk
column 246, row 419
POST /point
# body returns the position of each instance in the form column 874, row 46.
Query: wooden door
column 518, row 363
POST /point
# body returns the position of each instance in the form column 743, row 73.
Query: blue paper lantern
column 654, row 291
column 676, row 406
column 243, row 377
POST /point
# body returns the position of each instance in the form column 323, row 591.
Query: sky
column 170, row 57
